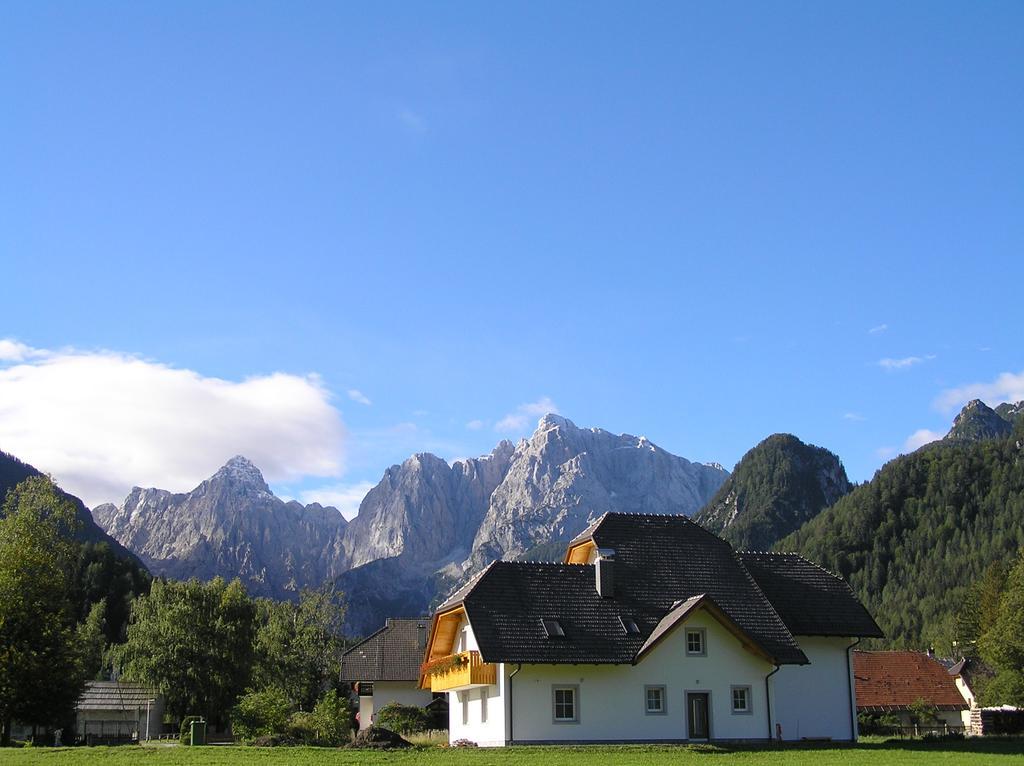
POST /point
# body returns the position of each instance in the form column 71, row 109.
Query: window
column 654, row 700
column 629, row 625
column 464, row 701
column 365, row 688
column 552, row 629
column 741, row 699
column 565, row 703
column 695, row 643
column 483, row 704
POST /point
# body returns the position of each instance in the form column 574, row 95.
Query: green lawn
column 979, row 751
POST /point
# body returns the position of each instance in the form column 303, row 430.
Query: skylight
column 552, row 629
column 629, row 625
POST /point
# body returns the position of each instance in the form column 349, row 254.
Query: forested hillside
column 775, row 488
column 912, row 540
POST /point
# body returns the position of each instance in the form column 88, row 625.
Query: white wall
column 493, row 731
column 384, row 692
column 815, row 700
column 611, row 697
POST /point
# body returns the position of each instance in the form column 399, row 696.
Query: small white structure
column 652, row 630
column 114, row 711
column 385, row 667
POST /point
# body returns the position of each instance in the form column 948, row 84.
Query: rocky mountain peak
column 239, row 471
column 551, row 420
column 977, row 421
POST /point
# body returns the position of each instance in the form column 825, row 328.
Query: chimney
column 421, row 636
column 604, row 572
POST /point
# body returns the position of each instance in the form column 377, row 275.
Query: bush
column 406, row 719
column 332, row 719
column 261, row 714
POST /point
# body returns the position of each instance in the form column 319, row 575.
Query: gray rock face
column 230, row 526
column 977, row 421
column 564, row 477
column 425, row 511
column 423, row 527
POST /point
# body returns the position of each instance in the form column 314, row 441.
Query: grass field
column 908, row 752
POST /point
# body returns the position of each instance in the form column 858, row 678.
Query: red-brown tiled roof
column 895, row 680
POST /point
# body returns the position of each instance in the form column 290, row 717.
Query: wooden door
column 697, row 715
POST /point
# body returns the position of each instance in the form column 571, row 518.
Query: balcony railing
column 460, row 671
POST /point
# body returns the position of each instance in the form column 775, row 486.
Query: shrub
column 261, row 714
column 329, row 724
column 332, row 719
column 405, row 719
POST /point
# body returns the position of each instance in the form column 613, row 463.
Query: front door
column 697, row 714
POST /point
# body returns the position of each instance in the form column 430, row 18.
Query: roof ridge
column 794, row 554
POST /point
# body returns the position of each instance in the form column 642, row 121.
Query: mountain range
column 423, row 527
column 905, row 540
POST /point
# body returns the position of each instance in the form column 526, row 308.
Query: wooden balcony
column 464, row 670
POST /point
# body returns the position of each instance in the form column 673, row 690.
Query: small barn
column 115, row 712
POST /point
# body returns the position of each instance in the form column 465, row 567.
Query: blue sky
column 704, row 223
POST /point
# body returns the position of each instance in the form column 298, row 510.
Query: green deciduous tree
column 41, row 673
column 298, row 645
column 91, row 638
column 194, row 642
column 1002, row 645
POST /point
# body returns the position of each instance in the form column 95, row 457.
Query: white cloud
column 101, row 422
column 919, row 438
column 853, row 417
column 903, row 363
column 525, row 415
column 1008, row 387
column 878, row 329
column 358, row 396
column 345, row 497
column 13, row 351
column 475, row 425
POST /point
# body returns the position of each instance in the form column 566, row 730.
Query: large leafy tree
column 193, row 642
column 1002, row 645
column 41, row 675
column 298, row 645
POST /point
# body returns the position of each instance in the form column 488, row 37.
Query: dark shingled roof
column 393, row 653
column 660, row 560
column 810, row 600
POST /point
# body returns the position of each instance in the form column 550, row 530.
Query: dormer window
column 552, row 629
column 629, row 625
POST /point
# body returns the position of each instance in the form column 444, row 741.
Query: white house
column 385, row 667
column 652, row 629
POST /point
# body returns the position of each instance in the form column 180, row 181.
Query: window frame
column 483, row 704
column 703, row 633
column 749, row 710
column 464, row 701
column 575, row 689
column 664, row 699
